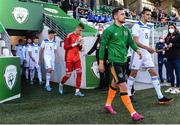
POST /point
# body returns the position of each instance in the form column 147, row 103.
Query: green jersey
column 117, row 39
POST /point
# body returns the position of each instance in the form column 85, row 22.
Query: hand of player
column 170, row 45
column 139, row 53
column 82, row 41
column 77, row 43
column 40, row 61
column 151, row 50
column 101, row 67
column 33, row 59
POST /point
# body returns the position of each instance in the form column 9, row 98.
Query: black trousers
column 104, row 77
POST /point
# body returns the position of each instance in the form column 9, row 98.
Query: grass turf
column 38, row 106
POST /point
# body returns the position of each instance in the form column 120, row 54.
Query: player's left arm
column 80, row 46
column 41, row 52
column 104, row 42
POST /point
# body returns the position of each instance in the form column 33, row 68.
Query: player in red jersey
column 72, row 45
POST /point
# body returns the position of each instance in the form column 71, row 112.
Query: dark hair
column 115, row 11
column 145, row 10
column 167, row 39
column 176, row 30
column 172, row 25
column 51, row 32
column 81, row 25
column 35, row 37
column 20, row 40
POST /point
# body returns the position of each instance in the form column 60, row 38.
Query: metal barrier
column 160, row 24
column 59, row 31
column 6, row 38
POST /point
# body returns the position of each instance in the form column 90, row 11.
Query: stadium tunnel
column 25, row 19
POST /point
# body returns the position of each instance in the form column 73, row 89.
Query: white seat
column 90, row 24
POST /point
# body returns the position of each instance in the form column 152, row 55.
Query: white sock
column 60, row 84
column 32, row 72
column 156, row 84
column 133, row 113
column 130, row 83
column 39, row 74
column 48, row 78
column 77, row 90
column 27, row 73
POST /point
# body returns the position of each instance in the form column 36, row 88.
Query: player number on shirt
column 146, row 36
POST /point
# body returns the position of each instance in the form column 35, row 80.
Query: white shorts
column 21, row 61
column 49, row 63
column 33, row 65
column 145, row 63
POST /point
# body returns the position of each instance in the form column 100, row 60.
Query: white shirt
column 19, row 50
column 26, row 52
column 142, row 31
column 49, row 47
column 129, row 52
column 34, row 49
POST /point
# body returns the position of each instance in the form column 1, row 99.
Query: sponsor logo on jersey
column 125, row 33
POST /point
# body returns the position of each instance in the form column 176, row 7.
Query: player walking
column 141, row 32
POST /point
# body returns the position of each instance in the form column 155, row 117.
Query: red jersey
column 71, row 53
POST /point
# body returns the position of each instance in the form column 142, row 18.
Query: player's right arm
column 136, row 34
column 30, row 53
column 149, row 49
column 133, row 45
column 104, row 41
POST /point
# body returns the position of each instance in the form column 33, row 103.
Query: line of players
column 32, row 54
column 117, row 37
column 29, row 57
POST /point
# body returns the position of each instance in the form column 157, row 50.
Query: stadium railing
column 6, row 38
column 59, row 31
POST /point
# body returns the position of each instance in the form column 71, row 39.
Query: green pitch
column 38, row 106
